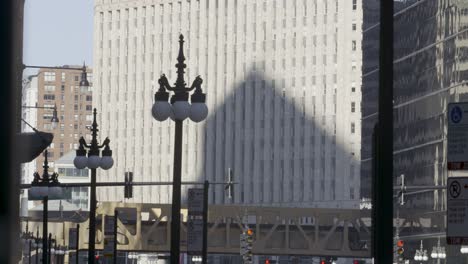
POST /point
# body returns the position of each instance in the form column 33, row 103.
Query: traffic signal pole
column 205, row 223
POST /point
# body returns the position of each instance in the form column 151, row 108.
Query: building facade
column 430, row 66
column 282, row 80
column 29, row 97
column 78, row 196
column 30, row 93
column 60, row 87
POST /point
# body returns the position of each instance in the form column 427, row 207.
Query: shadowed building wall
column 282, row 81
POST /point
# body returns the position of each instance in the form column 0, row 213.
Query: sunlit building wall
column 29, row 98
column 282, row 80
column 60, row 88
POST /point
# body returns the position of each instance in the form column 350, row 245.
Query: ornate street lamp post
column 421, row 254
column 45, row 187
column 438, row 252
column 93, row 161
column 179, row 111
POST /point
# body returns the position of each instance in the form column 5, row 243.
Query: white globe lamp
column 94, row 161
column 80, row 161
column 106, row 162
column 198, row 112
column 161, row 108
column 181, row 110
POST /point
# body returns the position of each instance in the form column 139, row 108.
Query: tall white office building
column 282, row 79
column 29, row 98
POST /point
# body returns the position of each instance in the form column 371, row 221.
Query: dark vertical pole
column 37, row 245
column 50, row 246
column 383, row 222
column 37, row 250
column 116, row 215
column 176, row 185
column 374, row 190
column 77, row 243
column 205, row 222
column 92, row 218
column 29, row 255
column 44, row 229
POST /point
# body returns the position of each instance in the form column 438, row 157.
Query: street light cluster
column 181, row 109
column 47, row 185
column 438, row 252
column 196, row 258
column 93, row 160
column 421, row 256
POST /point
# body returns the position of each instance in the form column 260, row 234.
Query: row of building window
column 51, row 77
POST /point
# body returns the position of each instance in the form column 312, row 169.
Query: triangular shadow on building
column 281, row 154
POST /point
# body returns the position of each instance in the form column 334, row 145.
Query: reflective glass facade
column 429, row 72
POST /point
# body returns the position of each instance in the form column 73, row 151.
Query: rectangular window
column 49, row 76
column 63, row 76
column 354, row 4
column 353, row 127
column 89, row 98
column 354, row 26
column 49, row 88
column 89, row 108
column 353, row 45
column 353, row 107
column 49, row 97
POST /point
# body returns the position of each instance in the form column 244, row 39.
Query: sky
column 58, row 32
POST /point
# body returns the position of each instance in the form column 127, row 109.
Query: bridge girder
column 278, row 230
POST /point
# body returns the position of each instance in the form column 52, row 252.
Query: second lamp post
column 180, row 110
column 93, row 161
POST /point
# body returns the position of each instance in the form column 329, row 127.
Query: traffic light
column 246, row 242
column 128, row 188
column 400, row 248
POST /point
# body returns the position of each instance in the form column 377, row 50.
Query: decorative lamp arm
column 36, row 179
column 105, row 143
column 54, row 177
column 164, row 83
column 83, row 143
column 196, row 84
